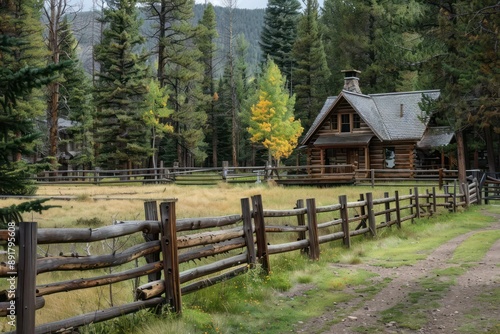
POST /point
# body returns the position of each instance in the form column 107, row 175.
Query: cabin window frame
column 389, row 160
column 334, row 123
column 345, row 127
column 356, row 121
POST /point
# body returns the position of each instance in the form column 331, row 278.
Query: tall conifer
column 464, row 67
column 181, row 72
column 279, row 34
column 206, row 41
column 120, row 89
column 311, row 73
column 75, row 103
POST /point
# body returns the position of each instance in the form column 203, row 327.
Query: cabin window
column 356, row 121
column 335, row 122
column 390, row 157
column 345, row 121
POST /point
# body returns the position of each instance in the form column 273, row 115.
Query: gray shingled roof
column 382, row 113
column 435, row 137
column 324, row 112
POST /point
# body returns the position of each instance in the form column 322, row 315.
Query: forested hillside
column 177, row 83
column 248, row 22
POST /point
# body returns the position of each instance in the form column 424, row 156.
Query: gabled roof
column 435, row 137
column 391, row 116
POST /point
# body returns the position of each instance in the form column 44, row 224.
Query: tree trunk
column 57, row 8
column 53, row 121
column 214, row 138
column 490, row 152
column 462, row 177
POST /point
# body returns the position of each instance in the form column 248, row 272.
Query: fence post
column 371, row 216
column 260, row 233
column 170, row 258
column 26, row 288
column 465, row 187
column 225, row 167
column 398, row 212
column 434, row 204
column 455, row 196
column 96, row 175
column 301, row 221
column 151, row 213
column 246, row 215
column 417, row 202
column 362, row 223
column 372, row 177
column 427, row 202
column 411, row 206
column 312, row 227
column 387, row 207
column 478, row 192
column 441, row 172
column 175, row 170
column 345, row 220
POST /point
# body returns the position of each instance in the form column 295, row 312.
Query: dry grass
column 109, row 203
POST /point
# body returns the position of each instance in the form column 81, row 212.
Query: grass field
column 252, row 303
column 109, row 203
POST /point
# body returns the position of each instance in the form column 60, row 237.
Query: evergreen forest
column 137, row 82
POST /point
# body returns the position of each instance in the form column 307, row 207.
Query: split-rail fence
column 285, row 175
column 236, row 243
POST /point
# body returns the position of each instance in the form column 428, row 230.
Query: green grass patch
column 414, row 242
column 475, row 247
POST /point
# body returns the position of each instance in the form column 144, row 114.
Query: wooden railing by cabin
column 235, row 243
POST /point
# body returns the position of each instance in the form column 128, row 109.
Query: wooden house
column 358, row 132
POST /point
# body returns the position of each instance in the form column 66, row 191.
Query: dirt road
column 463, row 305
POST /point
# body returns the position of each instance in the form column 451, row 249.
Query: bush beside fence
column 236, row 243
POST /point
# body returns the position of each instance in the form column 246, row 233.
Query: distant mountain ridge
column 248, row 22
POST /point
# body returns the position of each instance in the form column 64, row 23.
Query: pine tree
column 22, row 20
column 279, row 34
column 17, row 134
column 272, row 122
column 121, row 89
column 180, row 71
column 243, row 90
column 206, row 41
column 311, row 74
column 75, row 103
column 463, row 31
column 371, row 36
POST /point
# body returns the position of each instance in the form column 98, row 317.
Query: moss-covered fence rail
column 174, row 257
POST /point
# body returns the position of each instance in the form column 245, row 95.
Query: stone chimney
column 351, row 81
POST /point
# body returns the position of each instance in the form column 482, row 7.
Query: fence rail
column 234, row 243
column 253, row 174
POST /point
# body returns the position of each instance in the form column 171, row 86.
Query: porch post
column 367, row 158
column 322, row 156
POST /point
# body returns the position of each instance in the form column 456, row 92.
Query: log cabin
column 355, row 132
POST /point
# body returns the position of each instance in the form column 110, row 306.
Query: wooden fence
column 253, row 174
column 235, row 243
column 490, row 185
